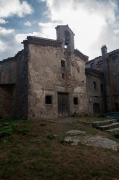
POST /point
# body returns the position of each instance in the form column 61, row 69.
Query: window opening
column 48, row 99
column 62, row 63
column 101, row 86
column 94, row 85
column 67, row 37
column 75, row 100
column 63, row 75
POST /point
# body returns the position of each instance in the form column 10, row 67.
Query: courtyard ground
column 36, row 150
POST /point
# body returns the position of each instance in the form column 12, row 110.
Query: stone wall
column 113, row 68
column 108, row 63
column 21, row 95
column 65, row 34
column 8, row 71
column 48, row 77
column 7, row 87
column 95, row 94
column 7, row 93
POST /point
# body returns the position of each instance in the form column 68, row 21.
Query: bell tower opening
column 66, row 35
column 67, row 38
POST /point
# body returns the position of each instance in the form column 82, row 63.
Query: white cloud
column 27, row 23
column 8, row 44
column 89, row 19
column 14, row 7
column 4, row 31
column 116, row 31
column 2, row 21
column 20, row 37
column 2, row 46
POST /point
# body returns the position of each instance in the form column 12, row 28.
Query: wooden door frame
column 62, row 106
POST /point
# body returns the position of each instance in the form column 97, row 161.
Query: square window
column 94, row 85
column 75, row 100
column 62, row 63
column 48, row 99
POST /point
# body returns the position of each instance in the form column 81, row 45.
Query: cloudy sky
column 94, row 22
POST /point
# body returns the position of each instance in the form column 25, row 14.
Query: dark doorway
column 6, row 98
column 96, row 108
column 117, row 107
column 63, row 104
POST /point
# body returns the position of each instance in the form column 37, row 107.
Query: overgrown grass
column 35, row 150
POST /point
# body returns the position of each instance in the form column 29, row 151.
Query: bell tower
column 66, row 35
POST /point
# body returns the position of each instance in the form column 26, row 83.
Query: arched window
column 67, row 37
column 96, row 108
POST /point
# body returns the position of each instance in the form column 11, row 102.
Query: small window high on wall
column 48, row 99
column 63, row 64
column 94, row 85
column 101, row 86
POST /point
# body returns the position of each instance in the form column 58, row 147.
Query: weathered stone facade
column 50, row 78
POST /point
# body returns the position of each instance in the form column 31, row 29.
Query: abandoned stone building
column 103, row 75
column 46, row 79
column 50, row 78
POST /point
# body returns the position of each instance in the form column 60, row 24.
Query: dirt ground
column 42, row 153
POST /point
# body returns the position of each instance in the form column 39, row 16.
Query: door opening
column 96, row 108
column 63, row 104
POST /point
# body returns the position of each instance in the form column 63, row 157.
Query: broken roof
column 42, row 41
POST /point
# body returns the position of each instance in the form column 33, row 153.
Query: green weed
column 50, row 136
column 6, row 131
column 23, row 131
column 62, row 140
column 42, row 124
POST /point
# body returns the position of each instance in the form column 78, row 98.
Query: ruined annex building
column 46, row 79
column 102, row 75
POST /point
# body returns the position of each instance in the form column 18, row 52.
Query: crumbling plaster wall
column 45, row 78
column 7, row 87
column 8, row 71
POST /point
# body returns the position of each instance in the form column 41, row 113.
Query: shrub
column 116, row 134
column 6, row 131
